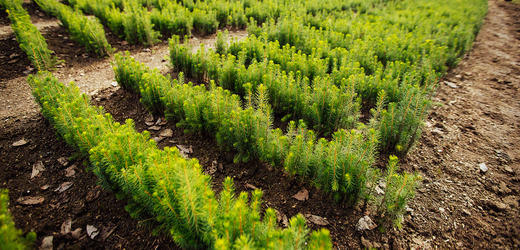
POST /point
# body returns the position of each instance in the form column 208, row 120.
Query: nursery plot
column 456, row 198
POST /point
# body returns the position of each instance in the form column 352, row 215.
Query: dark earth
column 476, row 120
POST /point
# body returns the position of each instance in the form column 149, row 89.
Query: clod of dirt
column 317, row 220
column 30, row 200
column 64, row 186
column 37, row 168
column 63, row 161
column 19, row 143
column 483, row 167
column 92, row 232
column 65, row 227
column 47, row 243
column 365, row 223
column 302, row 195
column 166, row 133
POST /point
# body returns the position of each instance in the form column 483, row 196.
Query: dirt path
column 476, row 121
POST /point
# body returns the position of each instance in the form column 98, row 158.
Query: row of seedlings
column 341, row 166
column 10, row 237
column 161, row 184
column 29, row 37
column 85, row 30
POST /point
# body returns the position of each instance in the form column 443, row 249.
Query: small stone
column 452, row 85
column 442, row 210
column 114, row 84
column 47, row 243
column 483, row 167
column 500, row 205
column 365, row 223
column 379, row 190
column 465, row 211
column 149, row 123
column 509, row 169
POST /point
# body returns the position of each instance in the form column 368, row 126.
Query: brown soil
column 457, row 207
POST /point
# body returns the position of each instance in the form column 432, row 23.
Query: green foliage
column 29, row 37
column 400, row 188
column 87, row 31
column 161, row 185
column 10, row 237
column 137, row 25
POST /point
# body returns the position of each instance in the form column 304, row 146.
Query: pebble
column 442, row 210
column 483, row 167
column 365, row 223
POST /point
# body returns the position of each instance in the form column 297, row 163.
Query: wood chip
column 63, row 161
column 148, row 118
column 64, row 186
column 155, row 128
column 318, row 220
column 92, row 232
column 166, row 133
column 70, row 171
column 149, row 123
column 184, row 149
column 76, row 234
column 30, row 200
column 19, row 143
column 37, row 169
column 93, row 194
column 65, row 227
column 302, row 195
column 162, row 121
column 250, row 186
